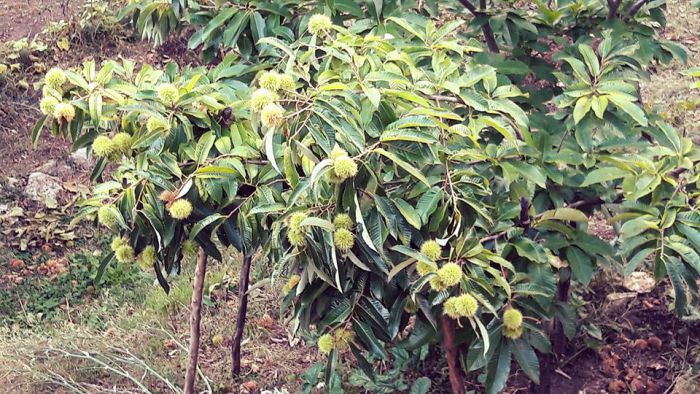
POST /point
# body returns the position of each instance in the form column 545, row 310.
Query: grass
column 142, row 334
column 670, row 91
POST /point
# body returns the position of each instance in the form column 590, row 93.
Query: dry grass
column 146, row 344
column 671, row 92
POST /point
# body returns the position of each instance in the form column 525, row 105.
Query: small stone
column 615, row 301
column 640, row 282
column 81, row 158
column 42, row 187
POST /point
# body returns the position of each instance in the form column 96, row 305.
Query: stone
column 618, row 301
column 640, row 282
column 43, row 188
column 81, row 158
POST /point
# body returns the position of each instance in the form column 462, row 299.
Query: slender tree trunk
column 195, row 320
column 457, row 377
column 559, row 338
column 549, row 361
column 243, row 281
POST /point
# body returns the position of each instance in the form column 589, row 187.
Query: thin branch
column 636, row 7
column 438, row 97
column 489, row 37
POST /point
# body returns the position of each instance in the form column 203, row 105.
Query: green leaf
column 405, row 250
column 408, row 212
column 583, row 106
column 267, row 208
column 630, row 108
column 407, row 135
column 599, row 104
column 565, row 214
column 365, row 366
column 318, row 222
column 400, row 267
column 579, row 69
column 428, row 203
column 527, row 359
column 206, row 142
column 499, row 370
column 634, row 262
column 365, row 334
column 603, row 174
column 373, row 95
column 202, row 224
column 528, row 171
column 36, row 130
column 270, row 149
column 638, row 225
column 590, row 58
column 216, row 172
column 421, row 386
column 581, row 264
column 409, row 168
column 675, row 271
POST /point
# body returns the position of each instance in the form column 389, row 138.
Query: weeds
column 40, row 299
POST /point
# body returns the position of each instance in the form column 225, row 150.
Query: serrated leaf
column 527, row 359
column 406, row 166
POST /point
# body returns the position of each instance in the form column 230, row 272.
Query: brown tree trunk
column 195, row 320
column 556, row 335
column 240, row 321
column 457, row 377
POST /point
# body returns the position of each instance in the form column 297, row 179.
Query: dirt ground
column 634, row 345
column 25, row 18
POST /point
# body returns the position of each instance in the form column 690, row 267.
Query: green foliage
column 39, row 299
column 416, row 133
column 241, row 24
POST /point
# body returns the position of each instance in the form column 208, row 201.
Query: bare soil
column 25, row 18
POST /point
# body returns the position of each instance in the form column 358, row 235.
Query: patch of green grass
column 40, row 299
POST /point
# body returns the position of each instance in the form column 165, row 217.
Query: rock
column 46, row 167
column 640, row 282
column 43, row 188
column 617, row 301
column 81, row 158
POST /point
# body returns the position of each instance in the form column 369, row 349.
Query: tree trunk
column 240, row 321
column 558, row 339
column 195, row 320
column 457, row 377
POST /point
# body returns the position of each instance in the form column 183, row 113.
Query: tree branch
column 636, row 7
column 489, row 37
column 613, row 5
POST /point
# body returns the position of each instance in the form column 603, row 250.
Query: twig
column 636, row 7
column 489, row 37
